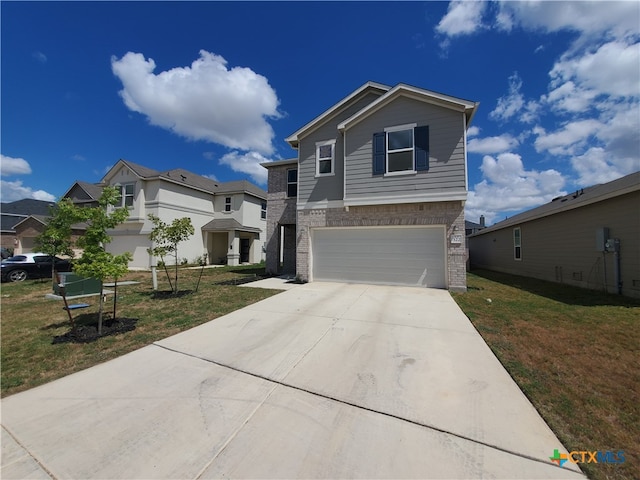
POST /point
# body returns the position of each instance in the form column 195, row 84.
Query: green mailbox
column 76, row 285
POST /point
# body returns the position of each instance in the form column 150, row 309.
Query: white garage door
column 384, row 255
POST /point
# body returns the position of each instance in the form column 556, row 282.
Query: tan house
column 589, row 238
column 17, row 233
column 229, row 217
column 376, row 193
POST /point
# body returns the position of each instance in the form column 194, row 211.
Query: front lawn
column 30, row 322
column 575, row 353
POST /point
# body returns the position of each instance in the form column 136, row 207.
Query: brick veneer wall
column 450, row 214
column 280, row 211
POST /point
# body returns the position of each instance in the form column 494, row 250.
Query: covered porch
column 228, row 242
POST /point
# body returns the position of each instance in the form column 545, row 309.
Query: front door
column 245, row 246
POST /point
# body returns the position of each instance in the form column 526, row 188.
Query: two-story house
column 378, row 187
column 229, row 218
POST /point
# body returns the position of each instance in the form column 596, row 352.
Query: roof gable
column 402, row 90
column 369, row 87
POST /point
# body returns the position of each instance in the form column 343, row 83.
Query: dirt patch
column 89, row 333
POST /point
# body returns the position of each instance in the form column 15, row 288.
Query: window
column 127, row 192
column 400, row 150
column 517, row 244
column 227, row 204
column 325, row 154
column 292, row 182
column 263, row 210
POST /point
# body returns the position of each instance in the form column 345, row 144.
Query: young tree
column 165, row 239
column 95, row 261
column 56, row 238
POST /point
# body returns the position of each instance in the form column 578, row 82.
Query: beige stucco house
column 376, row 192
column 229, row 217
column 589, row 238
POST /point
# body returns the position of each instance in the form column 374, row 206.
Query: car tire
column 17, row 275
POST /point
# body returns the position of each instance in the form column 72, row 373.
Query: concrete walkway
column 324, row 380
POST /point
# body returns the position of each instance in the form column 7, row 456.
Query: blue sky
column 216, row 87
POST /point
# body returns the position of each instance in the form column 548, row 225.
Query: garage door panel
column 400, row 256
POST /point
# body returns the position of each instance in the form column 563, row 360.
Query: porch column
column 233, row 254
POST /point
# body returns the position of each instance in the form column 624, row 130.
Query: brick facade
column 450, row 214
column 281, row 211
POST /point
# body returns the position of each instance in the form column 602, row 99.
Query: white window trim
column 230, row 205
column 397, row 128
column 514, row 243
column 333, row 158
column 124, row 195
column 263, row 211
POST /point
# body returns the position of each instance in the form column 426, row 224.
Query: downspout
column 616, row 265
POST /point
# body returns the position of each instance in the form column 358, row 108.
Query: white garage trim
column 388, row 255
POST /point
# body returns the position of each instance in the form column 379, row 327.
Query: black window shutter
column 379, row 153
column 421, row 136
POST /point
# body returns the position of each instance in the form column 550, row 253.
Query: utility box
column 602, row 235
column 76, row 285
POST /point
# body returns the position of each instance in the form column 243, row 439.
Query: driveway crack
column 354, row 405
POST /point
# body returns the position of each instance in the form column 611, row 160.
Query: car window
column 42, row 259
column 17, row 258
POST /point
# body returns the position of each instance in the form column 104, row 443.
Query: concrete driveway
column 325, row 380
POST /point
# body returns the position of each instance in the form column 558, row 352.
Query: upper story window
column 292, row 182
column 127, row 192
column 263, row 210
column 517, row 244
column 227, row 204
column 400, row 150
column 325, row 158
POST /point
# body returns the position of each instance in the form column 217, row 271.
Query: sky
column 216, row 87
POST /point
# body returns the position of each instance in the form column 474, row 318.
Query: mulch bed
column 89, row 333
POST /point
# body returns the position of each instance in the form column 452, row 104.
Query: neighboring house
column 471, row 227
column 84, row 194
column 13, row 213
column 590, row 238
column 32, row 226
column 378, row 188
column 229, row 218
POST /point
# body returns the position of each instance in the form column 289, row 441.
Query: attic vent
column 183, row 178
column 555, row 199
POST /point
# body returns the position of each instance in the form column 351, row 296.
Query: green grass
column 30, row 322
column 575, row 353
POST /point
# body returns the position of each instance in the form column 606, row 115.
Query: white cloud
column 589, row 18
column 247, row 163
column 462, row 17
column 473, row 131
column 595, row 166
column 211, row 176
column 508, row 187
column 12, row 191
column 612, row 69
column 567, row 140
column 13, row 166
column 497, row 144
column 206, row 101
column 39, row 56
column 513, row 104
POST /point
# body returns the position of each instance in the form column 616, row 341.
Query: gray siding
column 446, row 152
column 562, row 247
column 310, row 188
